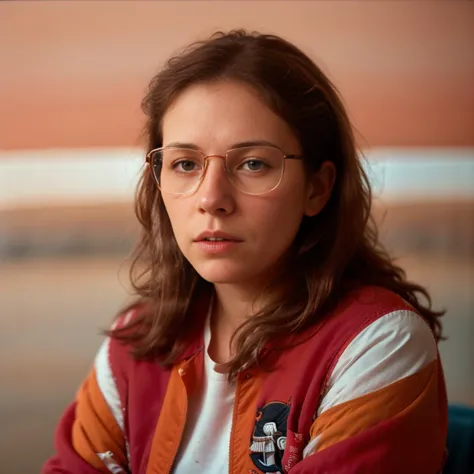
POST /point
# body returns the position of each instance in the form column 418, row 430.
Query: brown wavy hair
column 333, row 252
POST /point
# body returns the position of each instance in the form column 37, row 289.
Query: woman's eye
column 184, row 165
column 254, row 165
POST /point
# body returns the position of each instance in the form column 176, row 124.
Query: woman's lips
column 216, row 234
column 216, row 247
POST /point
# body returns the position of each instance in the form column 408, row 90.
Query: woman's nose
column 215, row 192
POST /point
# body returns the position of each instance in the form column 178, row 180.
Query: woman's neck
column 232, row 306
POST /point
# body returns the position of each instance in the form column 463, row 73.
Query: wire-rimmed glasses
column 253, row 170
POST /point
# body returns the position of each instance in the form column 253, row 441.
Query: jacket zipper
column 108, row 459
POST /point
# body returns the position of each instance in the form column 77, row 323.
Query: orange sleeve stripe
column 95, row 429
column 355, row 416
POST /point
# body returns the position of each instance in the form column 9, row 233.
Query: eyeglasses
column 253, row 170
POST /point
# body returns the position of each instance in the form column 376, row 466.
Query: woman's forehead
column 221, row 115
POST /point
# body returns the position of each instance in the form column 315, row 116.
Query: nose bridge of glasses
column 220, row 172
column 207, row 158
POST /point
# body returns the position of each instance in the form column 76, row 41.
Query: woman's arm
column 385, row 408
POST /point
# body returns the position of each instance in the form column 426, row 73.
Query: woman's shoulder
column 371, row 325
column 393, row 344
column 371, row 298
column 400, row 339
column 375, row 307
column 116, row 356
column 118, row 370
column 369, row 306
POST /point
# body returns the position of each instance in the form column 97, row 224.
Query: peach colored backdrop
column 73, row 73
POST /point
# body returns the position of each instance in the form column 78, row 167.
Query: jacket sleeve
column 89, row 438
column 385, row 408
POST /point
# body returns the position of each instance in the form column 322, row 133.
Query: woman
column 272, row 333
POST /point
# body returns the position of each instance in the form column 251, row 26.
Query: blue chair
column 460, row 443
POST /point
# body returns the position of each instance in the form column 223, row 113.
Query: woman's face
column 214, row 118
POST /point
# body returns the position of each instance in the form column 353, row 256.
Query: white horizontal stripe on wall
column 81, row 176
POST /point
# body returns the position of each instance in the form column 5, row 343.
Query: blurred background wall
column 72, row 75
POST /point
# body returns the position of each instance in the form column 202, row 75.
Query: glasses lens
column 177, row 170
column 255, row 170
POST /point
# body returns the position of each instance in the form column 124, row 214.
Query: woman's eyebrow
column 182, row 145
column 254, row 143
column 247, row 143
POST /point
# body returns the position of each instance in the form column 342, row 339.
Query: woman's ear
column 319, row 188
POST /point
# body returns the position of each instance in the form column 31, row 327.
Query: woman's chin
column 220, row 274
column 222, row 279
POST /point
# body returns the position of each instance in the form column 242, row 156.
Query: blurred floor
column 52, row 311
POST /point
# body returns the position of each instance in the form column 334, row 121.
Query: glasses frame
column 151, row 153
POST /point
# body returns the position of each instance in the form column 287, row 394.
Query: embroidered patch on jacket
column 269, row 437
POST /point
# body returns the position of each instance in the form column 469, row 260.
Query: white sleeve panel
column 393, row 347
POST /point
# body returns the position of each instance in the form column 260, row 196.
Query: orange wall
column 72, row 73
